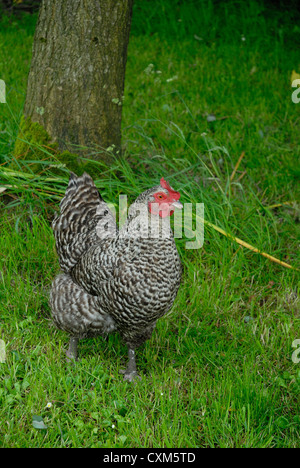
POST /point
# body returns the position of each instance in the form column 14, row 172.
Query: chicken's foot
column 130, row 373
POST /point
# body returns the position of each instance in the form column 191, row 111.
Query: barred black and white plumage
column 82, row 213
column 114, row 280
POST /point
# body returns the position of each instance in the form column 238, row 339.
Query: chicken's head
column 164, row 200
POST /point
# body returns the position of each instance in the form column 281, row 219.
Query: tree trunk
column 76, row 81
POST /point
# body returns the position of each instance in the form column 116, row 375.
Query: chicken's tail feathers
column 83, row 220
column 79, row 185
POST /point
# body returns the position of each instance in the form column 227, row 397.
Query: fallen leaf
column 38, row 423
column 2, row 189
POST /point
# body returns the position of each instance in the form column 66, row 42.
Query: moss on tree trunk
column 34, row 146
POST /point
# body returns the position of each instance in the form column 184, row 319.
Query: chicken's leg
column 72, row 353
column 130, row 373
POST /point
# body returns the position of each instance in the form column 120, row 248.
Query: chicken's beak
column 177, row 204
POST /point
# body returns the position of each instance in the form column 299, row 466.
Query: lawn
column 206, row 83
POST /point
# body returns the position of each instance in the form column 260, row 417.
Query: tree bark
column 76, row 81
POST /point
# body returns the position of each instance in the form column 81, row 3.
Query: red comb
column 166, row 185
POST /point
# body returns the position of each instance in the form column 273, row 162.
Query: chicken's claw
column 130, row 376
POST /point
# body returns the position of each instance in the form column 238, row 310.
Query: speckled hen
column 122, row 280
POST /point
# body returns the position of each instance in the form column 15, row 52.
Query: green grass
column 217, row 371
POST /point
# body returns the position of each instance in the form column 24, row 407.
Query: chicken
column 114, row 280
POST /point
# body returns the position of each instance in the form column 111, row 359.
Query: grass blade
column 248, row 246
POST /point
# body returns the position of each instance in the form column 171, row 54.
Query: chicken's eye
column 160, row 196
